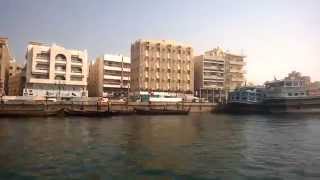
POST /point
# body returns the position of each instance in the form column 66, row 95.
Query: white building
column 54, row 71
column 109, row 76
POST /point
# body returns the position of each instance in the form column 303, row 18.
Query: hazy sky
column 277, row 36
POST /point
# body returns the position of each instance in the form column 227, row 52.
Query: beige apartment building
column 209, row 75
column 54, row 71
column 218, row 72
column 5, row 59
column 161, row 66
column 16, row 80
column 109, row 76
column 235, row 73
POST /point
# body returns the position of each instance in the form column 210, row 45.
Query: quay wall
column 111, row 106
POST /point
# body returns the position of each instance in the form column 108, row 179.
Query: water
column 198, row 146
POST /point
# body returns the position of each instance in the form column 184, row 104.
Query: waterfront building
column 294, row 85
column 235, row 73
column 314, row 89
column 109, row 76
column 5, row 59
column 218, row 72
column 54, row 71
column 161, row 66
column 209, row 75
column 16, row 80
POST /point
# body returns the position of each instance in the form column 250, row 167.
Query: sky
column 277, row 36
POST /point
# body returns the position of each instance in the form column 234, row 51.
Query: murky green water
column 198, row 146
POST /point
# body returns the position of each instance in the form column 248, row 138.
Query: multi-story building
column 161, row 66
column 54, row 71
column 217, row 73
column 209, row 75
column 109, row 76
column 314, row 89
column 14, row 68
column 234, row 71
column 5, row 59
column 15, row 82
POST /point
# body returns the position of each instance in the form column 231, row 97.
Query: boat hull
column 294, row 105
column 242, row 108
column 160, row 112
column 69, row 112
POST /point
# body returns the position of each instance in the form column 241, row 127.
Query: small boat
column 30, row 112
column 87, row 113
column 151, row 111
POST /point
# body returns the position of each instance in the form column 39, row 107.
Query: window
column 61, row 57
column 60, row 77
column 289, row 94
column 76, row 59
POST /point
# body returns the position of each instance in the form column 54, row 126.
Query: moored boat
column 87, row 113
column 27, row 112
column 151, row 111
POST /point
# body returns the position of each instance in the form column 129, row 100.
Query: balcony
column 213, row 77
column 76, row 60
column 112, row 77
column 237, row 79
column 233, row 62
column 221, row 61
column 60, row 62
column 126, row 78
column 237, row 71
column 40, row 71
column 76, row 70
column 126, row 70
column 76, row 78
column 42, row 61
column 60, row 59
column 113, row 68
column 111, row 85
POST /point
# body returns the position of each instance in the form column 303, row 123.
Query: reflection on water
column 199, row 146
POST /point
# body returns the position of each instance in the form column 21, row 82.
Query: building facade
column 235, row 73
column 161, row 66
column 218, row 72
column 314, row 89
column 16, row 80
column 109, row 76
column 209, row 76
column 54, row 71
column 5, row 59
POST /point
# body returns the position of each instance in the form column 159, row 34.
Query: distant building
column 161, row 66
column 294, row 85
column 5, row 59
column 14, row 68
column 16, row 80
column 109, row 76
column 54, row 71
column 314, row 89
